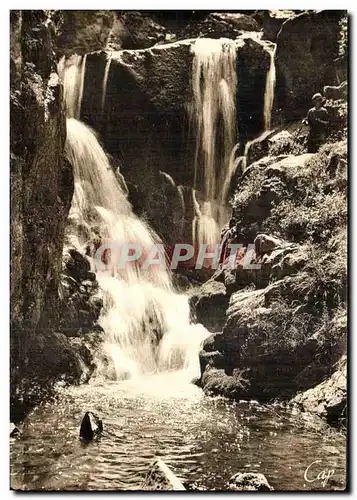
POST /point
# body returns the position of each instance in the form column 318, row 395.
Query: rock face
column 80, row 296
column 86, row 31
column 160, row 477
column 220, row 25
column 144, row 121
column 272, row 21
column 306, row 63
column 249, row 481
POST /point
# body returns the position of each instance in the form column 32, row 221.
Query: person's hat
column 317, row 97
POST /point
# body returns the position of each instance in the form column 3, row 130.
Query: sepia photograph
column 178, row 250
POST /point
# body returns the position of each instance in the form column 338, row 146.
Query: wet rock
column 329, row 398
column 215, row 381
column 160, row 477
column 252, row 366
column 306, row 63
column 91, row 427
column 289, row 168
column 83, row 31
column 76, row 265
column 249, row 481
column 338, row 119
column 212, row 358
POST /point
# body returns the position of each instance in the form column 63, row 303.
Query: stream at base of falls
column 202, row 439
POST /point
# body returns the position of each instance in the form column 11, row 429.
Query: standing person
column 317, row 119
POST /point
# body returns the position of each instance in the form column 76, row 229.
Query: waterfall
column 72, row 72
column 213, row 114
column 146, row 322
column 269, row 88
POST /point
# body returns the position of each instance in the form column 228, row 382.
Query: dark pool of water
column 201, row 439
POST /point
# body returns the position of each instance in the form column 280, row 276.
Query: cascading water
column 214, row 86
column 72, row 72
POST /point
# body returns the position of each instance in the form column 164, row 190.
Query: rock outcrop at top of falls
column 285, row 322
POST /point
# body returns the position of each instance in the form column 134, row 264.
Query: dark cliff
column 41, row 192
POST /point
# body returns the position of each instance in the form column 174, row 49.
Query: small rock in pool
column 91, row 427
column 249, row 481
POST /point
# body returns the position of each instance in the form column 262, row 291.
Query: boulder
column 289, row 168
column 265, row 243
column 281, row 143
column 137, row 30
column 81, row 301
column 272, row 21
column 307, row 46
column 265, row 345
column 145, row 117
column 270, row 144
column 249, row 481
column 329, row 398
column 160, row 477
column 76, row 265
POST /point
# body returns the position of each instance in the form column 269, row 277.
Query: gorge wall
column 41, row 192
